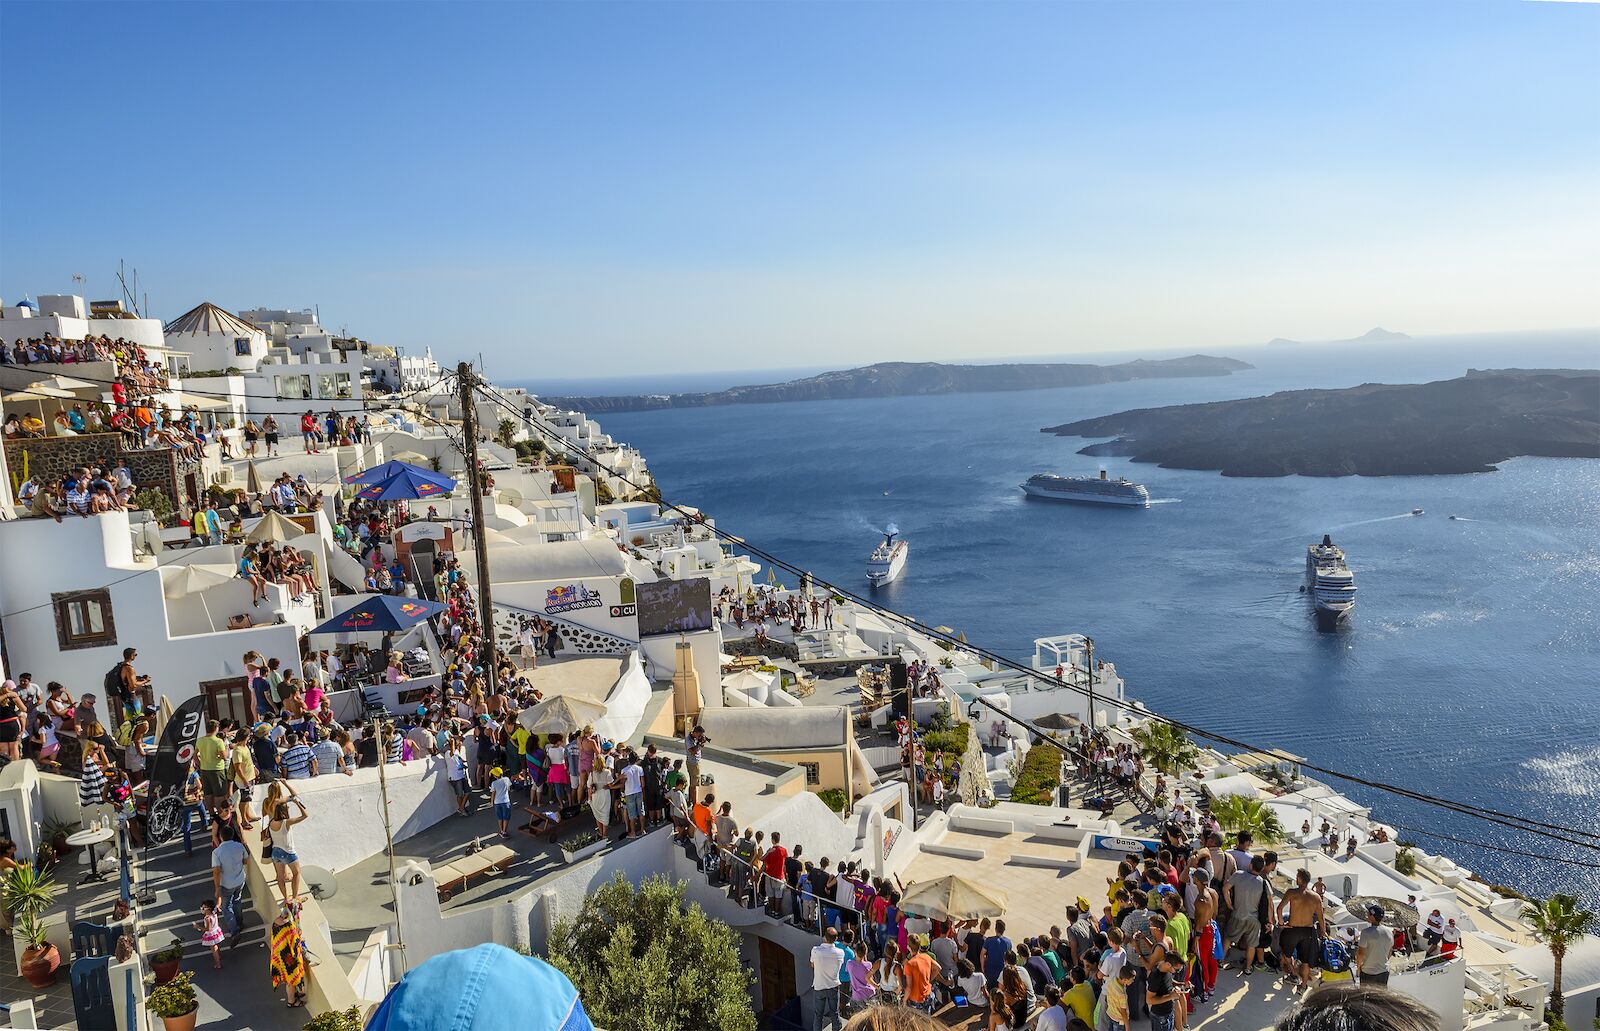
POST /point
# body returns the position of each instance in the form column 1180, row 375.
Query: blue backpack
column 1335, row 957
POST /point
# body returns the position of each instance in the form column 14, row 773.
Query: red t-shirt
column 774, row 861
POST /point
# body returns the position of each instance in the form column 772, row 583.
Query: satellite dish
column 152, row 536
column 511, row 497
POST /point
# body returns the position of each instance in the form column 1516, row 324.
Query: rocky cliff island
column 894, row 379
column 1462, row 425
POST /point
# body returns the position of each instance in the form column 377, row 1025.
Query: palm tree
column 1165, row 747
column 1237, row 813
column 1558, row 922
column 505, row 432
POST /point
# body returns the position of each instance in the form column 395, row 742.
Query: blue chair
column 90, row 940
column 91, row 992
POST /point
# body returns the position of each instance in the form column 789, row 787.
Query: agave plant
column 1558, row 922
column 1237, row 813
column 1165, row 747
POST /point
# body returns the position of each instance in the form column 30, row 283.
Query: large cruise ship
column 887, row 560
column 1331, row 584
column 1102, row 491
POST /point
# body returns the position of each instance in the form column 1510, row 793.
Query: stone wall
column 51, row 458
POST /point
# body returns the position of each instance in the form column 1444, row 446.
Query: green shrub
column 1405, row 861
column 834, row 798
column 951, row 742
column 336, row 1020
column 1036, row 784
column 154, row 500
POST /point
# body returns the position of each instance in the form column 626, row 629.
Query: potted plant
column 41, row 959
column 55, row 833
column 175, row 1003
column 581, row 846
column 164, row 963
column 28, row 893
column 337, row 1020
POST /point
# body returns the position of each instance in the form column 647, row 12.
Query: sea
column 1468, row 672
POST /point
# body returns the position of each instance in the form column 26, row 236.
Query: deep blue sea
column 1469, row 669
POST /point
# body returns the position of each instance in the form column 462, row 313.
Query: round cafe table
column 91, row 838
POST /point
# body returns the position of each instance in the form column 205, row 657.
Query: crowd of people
column 760, row 605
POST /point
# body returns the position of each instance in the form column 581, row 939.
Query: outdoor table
column 91, row 838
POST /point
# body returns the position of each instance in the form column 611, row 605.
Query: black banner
column 169, row 768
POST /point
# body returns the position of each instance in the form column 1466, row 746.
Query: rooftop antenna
column 77, row 277
column 131, row 296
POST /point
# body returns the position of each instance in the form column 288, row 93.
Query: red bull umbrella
column 409, row 484
column 384, row 613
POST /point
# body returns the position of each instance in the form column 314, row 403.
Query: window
column 294, row 388
column 813, row 772
column 341, row 382
column 241, row 346
column 83, row 619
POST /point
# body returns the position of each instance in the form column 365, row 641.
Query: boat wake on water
column 1379, row 519
column 1165, row 501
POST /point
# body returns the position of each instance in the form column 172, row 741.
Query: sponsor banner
column 618, row 611
column 571, row 597
column 1119, row 843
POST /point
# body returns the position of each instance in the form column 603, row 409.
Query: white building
column 66, row 317
column 215, row 340
column 77, row 593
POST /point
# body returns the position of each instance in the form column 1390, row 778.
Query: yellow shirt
column 212, row 751
column 1080, row 999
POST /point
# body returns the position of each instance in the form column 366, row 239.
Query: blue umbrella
column 386, row 470
column 384, row 613
column 408, row 484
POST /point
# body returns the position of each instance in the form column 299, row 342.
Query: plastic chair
column 91, row 992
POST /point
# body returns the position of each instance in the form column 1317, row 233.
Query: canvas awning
column 188, row 400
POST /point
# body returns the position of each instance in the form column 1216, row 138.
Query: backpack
column 113, row 682
column 1335, row 957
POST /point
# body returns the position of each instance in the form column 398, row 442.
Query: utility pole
column 466, row 379
column 1089, row 642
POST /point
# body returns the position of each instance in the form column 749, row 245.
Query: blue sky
column 600, row 189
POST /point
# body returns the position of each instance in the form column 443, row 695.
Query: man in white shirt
column 633, row 796
column 827, row 959
column 500, row 792
column 1054, row 1016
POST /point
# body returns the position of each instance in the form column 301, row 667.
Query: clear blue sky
column 596, row 189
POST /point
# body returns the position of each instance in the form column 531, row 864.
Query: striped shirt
column 296, row 762
column 330, row 758
column 92, row 787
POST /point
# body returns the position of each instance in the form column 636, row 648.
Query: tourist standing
column 827, row 961
column 1373, row 947
column 228, row 880
column 633, row 796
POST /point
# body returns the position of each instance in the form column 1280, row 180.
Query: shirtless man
column 1303, row 927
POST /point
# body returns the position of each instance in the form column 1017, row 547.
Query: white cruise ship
column 1331, row 584
column 887, row 560
column 1102, row 491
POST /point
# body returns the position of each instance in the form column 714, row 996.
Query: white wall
column 706, row 648
column 345, row 821
column 41, row 557
column 210, row 352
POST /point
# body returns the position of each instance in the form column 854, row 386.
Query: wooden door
column 777, row 976
column 229, row 699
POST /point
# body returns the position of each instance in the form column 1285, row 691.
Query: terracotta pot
column 40, row 966
column 166, row 971
column 183, row 1023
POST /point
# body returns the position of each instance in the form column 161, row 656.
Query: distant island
column 1462, row 425
column 1376, row 335
column 895, row 379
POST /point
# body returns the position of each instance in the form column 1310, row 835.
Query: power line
column 1509, row 820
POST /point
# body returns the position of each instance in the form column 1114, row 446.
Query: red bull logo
column 570, row 596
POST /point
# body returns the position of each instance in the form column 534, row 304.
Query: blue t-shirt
column 844, row 969
column 994, row 956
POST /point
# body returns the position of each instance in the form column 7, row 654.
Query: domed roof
column 208, row 318
column 25, row 303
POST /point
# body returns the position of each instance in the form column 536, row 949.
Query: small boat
column 1453, row 518
column 1416, row 511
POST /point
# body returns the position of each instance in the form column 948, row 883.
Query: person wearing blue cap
column 477, row 989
